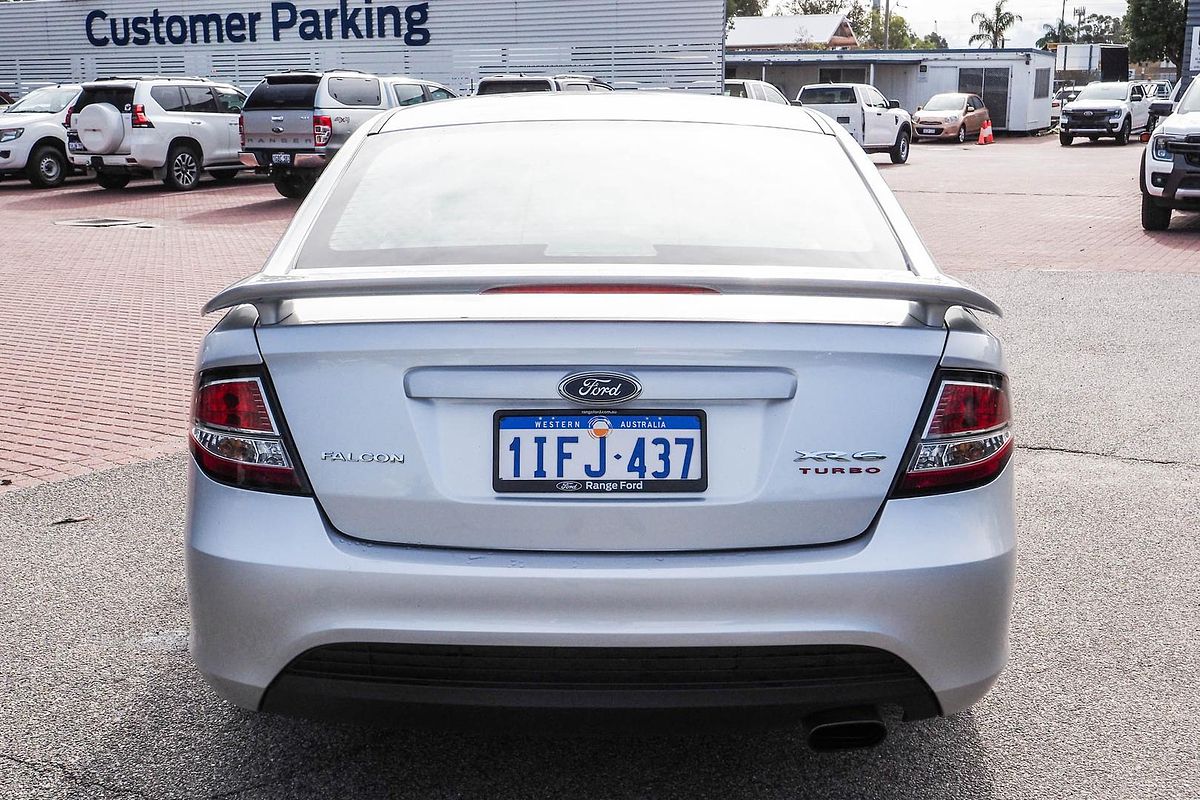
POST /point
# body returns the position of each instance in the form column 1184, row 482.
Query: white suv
column 1171, row 164
column 170, row 128
column 33, row 139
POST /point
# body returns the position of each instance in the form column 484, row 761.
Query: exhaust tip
column 845, row 729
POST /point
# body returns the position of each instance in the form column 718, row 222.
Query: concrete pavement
column 98, row 698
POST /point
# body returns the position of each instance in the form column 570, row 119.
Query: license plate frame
column 929, row 131
column 281, row 159
column 625, row 486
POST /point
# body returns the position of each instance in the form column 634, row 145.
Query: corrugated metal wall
column 665, row 43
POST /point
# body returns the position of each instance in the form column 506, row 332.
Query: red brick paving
column 99, row 327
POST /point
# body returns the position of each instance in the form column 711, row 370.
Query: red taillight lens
column 967, row 439
column 138, row 118
column 322, row 130
column 242, row 130
column 234, row 437
column 236, row 404
column 964, row 407
column 67, row 118
column 598, row 288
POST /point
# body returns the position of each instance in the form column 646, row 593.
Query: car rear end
column 118, row 135
column 281, row 126
column 515, row 84
column 605, row 456
column 839, row 103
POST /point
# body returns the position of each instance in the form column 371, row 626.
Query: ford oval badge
column 599, row 388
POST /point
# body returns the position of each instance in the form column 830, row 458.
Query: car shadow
column 179, row 739
column 279, row 208
column 86, row 193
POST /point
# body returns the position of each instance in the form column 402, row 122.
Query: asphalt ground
column 99, row 699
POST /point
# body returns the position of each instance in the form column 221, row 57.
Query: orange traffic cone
column 985, row 133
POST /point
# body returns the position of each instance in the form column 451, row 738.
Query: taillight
column 67, row 118
column 138, row 118
column 242, row 130
column 322, row 130
column 599, row 288
column 967, row 439
column 235, row 437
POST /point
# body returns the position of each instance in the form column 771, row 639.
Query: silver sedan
column 602, row 406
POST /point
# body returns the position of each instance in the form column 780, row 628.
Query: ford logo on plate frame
column 599, row 388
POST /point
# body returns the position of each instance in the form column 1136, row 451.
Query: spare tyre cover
column 101, row 128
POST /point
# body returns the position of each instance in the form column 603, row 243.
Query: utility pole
column 887, row 25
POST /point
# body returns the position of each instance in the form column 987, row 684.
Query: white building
column 667, row 43
column 1015, row 84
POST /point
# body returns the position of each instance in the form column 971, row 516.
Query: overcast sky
column 953, row 17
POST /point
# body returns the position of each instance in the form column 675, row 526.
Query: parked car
column 1170, row 178
column 516, row 84
column 170, row 128
column 879, row 125
column 1106, row 110
column 295, row 122
column 1159, row 88
column 754, row 90
column 33, row 139
column 1061, row 98
column 515, row 419
column 956, row 116
column 1161, row 108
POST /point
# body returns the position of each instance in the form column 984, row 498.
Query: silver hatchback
column 527, row 424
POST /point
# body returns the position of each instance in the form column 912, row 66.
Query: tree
column 931, row 41
column 1156, row 31
column 1102, row 29
column 994, row 25
column 900, row 35
column 742, row 8
column 1052, row 33
column 792, row 7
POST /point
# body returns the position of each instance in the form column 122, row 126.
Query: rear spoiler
column 271, row 293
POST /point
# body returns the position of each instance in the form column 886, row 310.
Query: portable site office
column 1015, row 84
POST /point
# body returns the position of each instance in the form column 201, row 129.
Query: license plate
column 281, row 158
column 929, row 130
column 75, row 147
column 599, row 452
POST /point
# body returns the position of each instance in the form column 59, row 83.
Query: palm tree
column 992, row 28
column 1052, row 33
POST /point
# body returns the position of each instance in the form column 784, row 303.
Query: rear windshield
column 827, row 95
column 510, row 87
column 120, row 97
column 520, row 193
column 48, row 100
column 282, row 95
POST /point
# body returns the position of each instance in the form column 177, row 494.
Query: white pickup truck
column 1171, row 164
column 876, row 123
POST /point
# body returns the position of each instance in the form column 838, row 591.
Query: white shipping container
column 629, row 43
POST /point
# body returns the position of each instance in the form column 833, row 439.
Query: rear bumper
column 269, row 581
column 937, row 130
column 261, row 160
